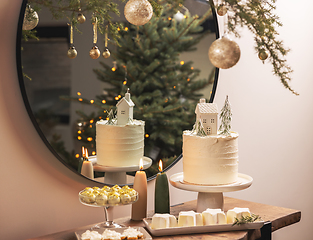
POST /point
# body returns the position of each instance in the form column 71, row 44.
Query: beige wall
column 39, row 195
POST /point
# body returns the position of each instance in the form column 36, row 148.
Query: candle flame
column 86, row 154
column 160, row 166
column 141, row 164
column 83, row 151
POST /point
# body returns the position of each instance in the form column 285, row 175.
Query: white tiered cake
column 209, row 158
column 120, row 142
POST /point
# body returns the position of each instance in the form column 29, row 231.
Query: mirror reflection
column 164, row 64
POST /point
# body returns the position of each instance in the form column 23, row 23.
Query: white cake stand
column 117, row 175
column 211, row 196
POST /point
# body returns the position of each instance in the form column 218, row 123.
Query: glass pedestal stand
column 108, row 222
column 210, row 196
column 117, row 175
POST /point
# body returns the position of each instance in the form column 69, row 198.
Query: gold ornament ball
column 221, row 10
column 94, row 52
column 263, row 55
column 224, row 53
column 81, row 18
column 31, row 19
column 106, row 53
column 72, row 53
column 138, row 12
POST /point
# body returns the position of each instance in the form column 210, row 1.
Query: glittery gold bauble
column 138, row 12
column 94, row 52
column 263, row 55
column 224, row 53
column 81, row 18
column 31, row 19
column 221, row 10
column 71, row 52
column 106, row 53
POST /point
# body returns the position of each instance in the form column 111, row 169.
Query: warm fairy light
column 79, row 93
column 166, row 100
column 91, row 121
column 100, row 117
column 105, row 111
column 119, row 96
column 174, row 87
column 126, row 28
column 113, row 69
column 89, row 139
column 188, row 79
column 93, row 153
column 80, row 99
column 107, row 118
column 103, row 101
column 79, row 138
column 92, row 101
column 124, row 82
column 191, row 68
column 79, row 132
column 77, row 155
column 147, row 135
column 116, row 98
column 182, row 62
column 185, row 16
column 160, row 166
column 141, row 164
column 90, row 126
column 169, row 18
column 118, row 29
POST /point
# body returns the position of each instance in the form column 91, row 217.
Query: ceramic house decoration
column 125, row 109
column 207, row 113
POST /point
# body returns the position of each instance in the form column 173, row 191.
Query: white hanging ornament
column 138, row 12
column 31, row 19
column 179, row 16
column 224, row 53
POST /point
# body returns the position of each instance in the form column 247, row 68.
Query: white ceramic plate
column 146, row 235
column 200, row 229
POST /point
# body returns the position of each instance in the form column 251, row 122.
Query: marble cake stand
column 210, row 196
column 117, row 175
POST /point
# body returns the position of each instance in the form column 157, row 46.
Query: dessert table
column 275, row 218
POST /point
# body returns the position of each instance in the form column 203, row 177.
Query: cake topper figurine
column 206, row 119
column 125, row 109
column 225, row 117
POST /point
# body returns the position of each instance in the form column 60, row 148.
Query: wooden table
column 275, row 218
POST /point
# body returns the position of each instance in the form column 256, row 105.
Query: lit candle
column 139, row 208
column 87, row 167
column 161, row 196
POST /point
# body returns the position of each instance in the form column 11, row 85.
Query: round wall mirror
column 66, row 97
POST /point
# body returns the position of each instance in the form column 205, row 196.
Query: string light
column 79, row 138
column 103, row 101
column 93, row 153
column 80, row 99
column 182, row 62
column 125, row 82
column 147, row 135
column 92, row 101
column 188, row 79
column 116, row 98
column 79, row 132
column 119, row 96
column 91, row 121
column 174, row 87
column 126, row 29
column 77, row 155
column 79, row 93
column 89, row 139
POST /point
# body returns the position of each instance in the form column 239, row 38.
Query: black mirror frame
column 31, row 115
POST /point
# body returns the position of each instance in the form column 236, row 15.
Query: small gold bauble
column 221, row 10
column 94, row 53
column 263, row 55
column 72, row 53
column 106, row 53
column 31, row 19
column 224, row 53
column 81, row 18
column 138, row 12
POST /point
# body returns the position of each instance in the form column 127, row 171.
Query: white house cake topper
column 125, row 109
column 207, row 115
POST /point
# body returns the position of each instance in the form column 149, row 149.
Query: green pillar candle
column 162, row 196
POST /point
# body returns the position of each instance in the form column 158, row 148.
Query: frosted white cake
column 211, row 159
column 119, row 145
